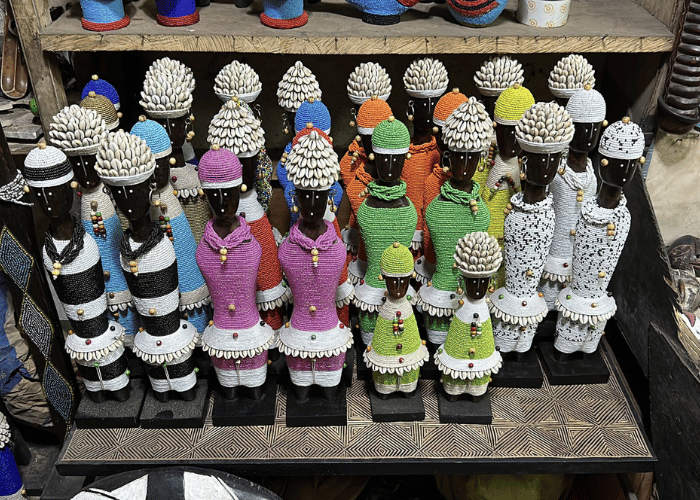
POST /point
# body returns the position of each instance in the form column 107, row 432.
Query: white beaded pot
column 543, row 13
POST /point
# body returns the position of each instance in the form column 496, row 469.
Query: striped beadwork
column 103, row 15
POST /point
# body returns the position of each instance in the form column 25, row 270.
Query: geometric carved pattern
column 36, row 326
column 556, row 422
column 14, row 259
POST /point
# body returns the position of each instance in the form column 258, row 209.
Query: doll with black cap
column 95, row 342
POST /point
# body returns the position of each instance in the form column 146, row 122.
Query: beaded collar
column 152, row 240
column 232, row 240
column 387, row 193
column 323, row 242
column 71, row 250
column 451, row 193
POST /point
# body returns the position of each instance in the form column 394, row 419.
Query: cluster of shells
column 478, row 253
column 369, row 79
column 76, row 127
column 123, row 155
column 237, row 78
column 165, row 93
column 167, row 67
column 312, row 163
column 545, row 123
column 499, row 73
column 237, row 129
column 4, row 431
column 468, row 127
column 425, row 74
column 298, row 84
column 572, row 72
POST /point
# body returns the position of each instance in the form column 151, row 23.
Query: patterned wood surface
column 553, row 422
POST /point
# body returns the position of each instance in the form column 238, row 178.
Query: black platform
column 317, row 411
column 522, row 374
column 244, row 410
column 278, row 369
column 547, row 328
column 464, row 411
column 111, row 413
column 429, row 370
column 176, row 413
column 397, row 407
column 589, row 369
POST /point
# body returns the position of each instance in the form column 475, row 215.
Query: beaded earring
column 353, row 122
column 445, row 162
column 331, row 200
column 409, row 116
column 98, row 225
column 285, row 123
column 295, row 207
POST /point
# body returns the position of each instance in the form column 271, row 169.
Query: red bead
column 88, row 342
column 161, row 218
column 566, row 264
column 235, row 335
column 400, row 360
column 398, row 314
column 399, row 347
column 79, row 194
column 159, row 343
column 341, row 326
column 396, row 328
column 471, row 365
column 524, row 303
column 362, row 282
column 174, row 178
column 400, row 322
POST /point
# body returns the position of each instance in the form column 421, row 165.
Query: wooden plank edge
column 92, row 42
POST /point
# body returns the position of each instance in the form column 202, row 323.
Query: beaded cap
column 220, row 168
column 446, row 105
column 313, row 111
column 586, row 105
column 478, row 255
column 237, row 129
column 239, row 79
column 368, row 79
column 312, row 163
column 101, row 87
column 47, row 166
column 173, row 71
column 397, row 261
column 544, row 128
column 155, row 136
column 511, row 105
column 372, row 113
column 124, row 160
column 297, row 85
column 497, row 74
column 391, row 137
column 77, row 130
column 623, row 140
column 571, row 72
column 166, row 95
column 468, row 128
column 104, row 107
column 425, row 77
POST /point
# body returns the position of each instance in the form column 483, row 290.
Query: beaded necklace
column 70, row 252
column 453, row 194
column 152, row 240
column 387, row 193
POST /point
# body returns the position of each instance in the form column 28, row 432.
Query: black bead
column 262, row 323
column 476, row 315
column 184, row 327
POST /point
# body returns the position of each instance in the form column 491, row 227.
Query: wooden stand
column 317, row 411
column 580, row 368
column 396, row 407
column 464, row 411
column 243, row 410
column 111, row 413
column 519, row 370
column 176, row 413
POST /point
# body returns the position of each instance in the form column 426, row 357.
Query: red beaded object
column 105, row 26
column 178, row 21
column 284, row 23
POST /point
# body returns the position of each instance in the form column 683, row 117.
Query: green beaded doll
column 468, row 357
column 396, row 351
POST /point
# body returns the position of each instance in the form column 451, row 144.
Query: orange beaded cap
column 371, row 114
column 446, row 105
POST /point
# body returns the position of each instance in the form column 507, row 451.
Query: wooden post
column 31, row 17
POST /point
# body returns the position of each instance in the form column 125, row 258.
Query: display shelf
column 564, row 429
column 335, row 27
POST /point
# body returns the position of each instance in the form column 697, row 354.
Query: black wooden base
column 363, row 371
column 243, row 410
column 278, row 369
column 578, row 369
column 348, row 366
column 464, row 410
column 396, row 407
column 547, row 328
column 62, row 487
column 519, row 370
column 176, row 413
column 111, row 413
column 317, row 411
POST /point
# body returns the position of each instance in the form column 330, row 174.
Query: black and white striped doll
column 164, row 342
column 95, row 342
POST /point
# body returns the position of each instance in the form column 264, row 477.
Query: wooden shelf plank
column 335, row 27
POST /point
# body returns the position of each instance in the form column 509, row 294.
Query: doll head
column 104, row 107
column 587, row 110
column 221, row 175
column 467, row 135
column 444, row 107
column 397, row 270
column 315, row 112
column 390, row 142
column 157, row 139
column 621, row 148
column 425, row 81
column 372, row 112
column 478, row 257
column 48, row 173
column 508, row 110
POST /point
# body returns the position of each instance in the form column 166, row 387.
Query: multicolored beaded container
column 103, row 15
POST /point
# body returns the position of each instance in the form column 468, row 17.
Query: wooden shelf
column 335, row 27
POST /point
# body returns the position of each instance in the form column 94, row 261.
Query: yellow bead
column 133, row 263
column 231, row 307
column 57, row 265
column 286, row 325
column 314, row 251
column 211, row 322
column 175, row 192
column 611, row 225
column 601, row 274
column 472, row 351
column 380, row 277
column 461, row 302
column 460, row 291
column 295, row 209
column 26, row 189
column 312, row 309
column 472, row 202
column 562, row 171
column 222, row 258
column 572, row 232
column 223, row 251
column 134, row 269
column 314, row 258
column 74, row 185
column 80, row 312
column 579, row 192
column 152, row 311
column 529, row 272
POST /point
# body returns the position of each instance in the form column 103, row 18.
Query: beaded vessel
column 176, row 12
column 103, row 15
column 382, row 13
column 11, row 487
column 468, row 357
column 476, row 13
column 284, row 14
column 396, row 352
column 101, row 87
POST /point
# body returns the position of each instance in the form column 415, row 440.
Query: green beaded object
column 397, row 260
column 391, row 137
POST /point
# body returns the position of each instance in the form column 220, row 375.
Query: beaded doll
column 572, row 72
column 297, row 85
column 457, row 211
column 315, row 340
column 469, row 356
column 386, row 216
column 97, row 211
column 170, row 80
column 229, row 256
column 372, row 112
column 101, row 87
column 237, row 129
column 73, row 259
column 575, row 184
column 496, row 75
column 425, row 264
column 601, row 231
column 11, row 486
column 164, row 342
column 503, row 179
column 423, row 153
column 396, row 352
column 529, row 227
column 166, row 209
column 104, row 107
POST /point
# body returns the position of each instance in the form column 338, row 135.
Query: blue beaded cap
column 155, row 136
column 315, row 112
column 101, row 87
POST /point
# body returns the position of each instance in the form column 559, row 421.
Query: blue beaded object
column 282, row 170
column 283, row 14
column 101, row 87
column 10, row 481
column 313, row 112
column 155, row 136
column 176, row 12
column 476, row 13
column 382, row 12
column 103, row 15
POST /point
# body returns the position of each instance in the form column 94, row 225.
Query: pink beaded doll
column 229, row 257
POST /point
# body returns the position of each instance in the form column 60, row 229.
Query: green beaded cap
column 511, row 105
column 391, row 137
column 397, row 261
